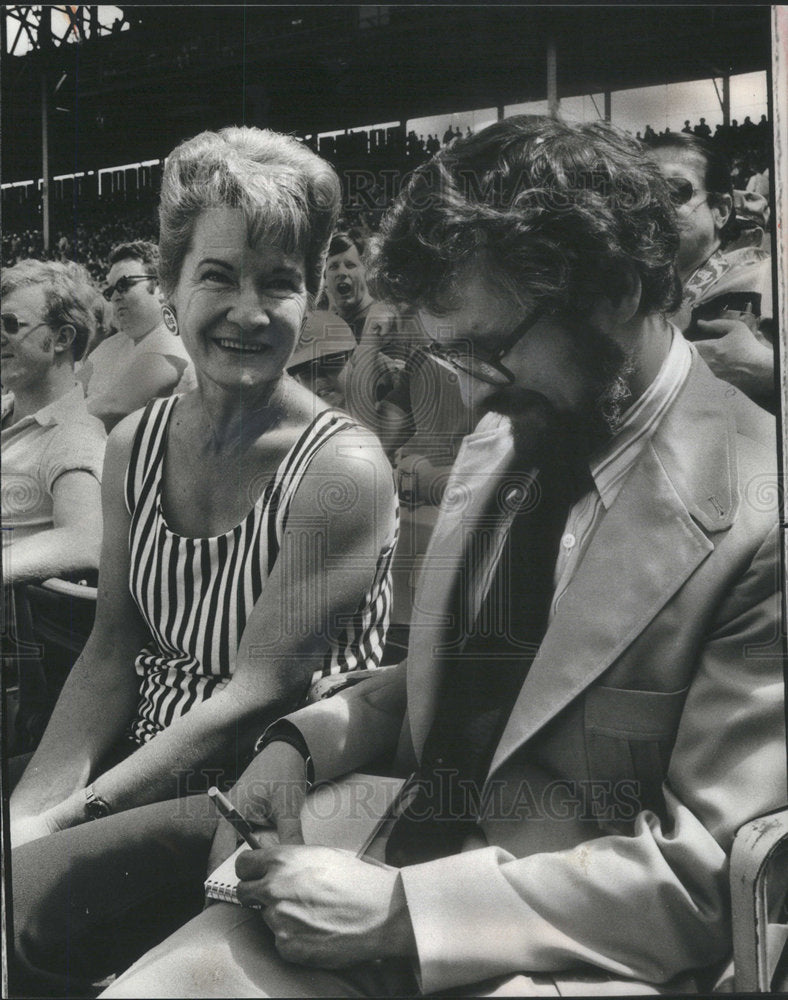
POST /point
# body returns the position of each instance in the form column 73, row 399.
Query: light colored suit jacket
column 649, row 728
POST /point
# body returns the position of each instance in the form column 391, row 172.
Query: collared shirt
column 728, row 278
column 610, row 470
column 107, row 364
column 36, row 451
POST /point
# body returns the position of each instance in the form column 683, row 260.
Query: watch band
column 283, row 731
column 95, row 807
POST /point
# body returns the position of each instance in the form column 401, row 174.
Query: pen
column 231, row 814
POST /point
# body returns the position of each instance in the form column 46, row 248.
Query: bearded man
column 593, row 700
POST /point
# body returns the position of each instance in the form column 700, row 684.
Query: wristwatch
column 95, row 808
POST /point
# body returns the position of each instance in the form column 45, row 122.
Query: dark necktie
column 481, row 683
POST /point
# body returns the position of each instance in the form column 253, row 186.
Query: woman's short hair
column 70, row 296
column 717, row 174
column 555, row 213
column 287, row 193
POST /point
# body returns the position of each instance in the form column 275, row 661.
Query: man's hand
column 736, row 355
column 270, row 792
column 326, row 907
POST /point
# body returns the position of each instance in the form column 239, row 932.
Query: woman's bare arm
column 100, row 693
column 340, row 518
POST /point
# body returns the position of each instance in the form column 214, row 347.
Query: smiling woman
column 249, row 530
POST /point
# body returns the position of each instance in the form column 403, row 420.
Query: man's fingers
column 254, row 894
column 251, row 865
column 722, row 326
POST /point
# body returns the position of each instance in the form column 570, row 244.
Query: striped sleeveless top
column 196, row 594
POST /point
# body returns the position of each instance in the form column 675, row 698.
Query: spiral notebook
column 347, row 813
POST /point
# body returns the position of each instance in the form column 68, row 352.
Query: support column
column 778, row 112
column 500, row 112
column 726, row 100
column 46, row 188
column 552, row 79
column 45, row 46
column 608, row 106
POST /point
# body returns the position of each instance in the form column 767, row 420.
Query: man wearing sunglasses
column 726, row 308
column 143, row 360
column 593, row 695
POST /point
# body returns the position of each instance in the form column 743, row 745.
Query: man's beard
column 545, row 437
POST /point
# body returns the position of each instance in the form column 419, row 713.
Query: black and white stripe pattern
column 196, row 594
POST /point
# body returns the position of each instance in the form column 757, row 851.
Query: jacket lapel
column 649, row 543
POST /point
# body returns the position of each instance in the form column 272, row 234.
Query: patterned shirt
column 196, row 594
column 36, row 450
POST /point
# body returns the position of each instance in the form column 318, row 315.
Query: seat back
column 759, row 890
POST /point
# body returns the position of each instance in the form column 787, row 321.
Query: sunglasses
column 122, row 285
column 681, row 190
column 481, row 364
column 12, row 326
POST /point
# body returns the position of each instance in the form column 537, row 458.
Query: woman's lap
column 89, row 900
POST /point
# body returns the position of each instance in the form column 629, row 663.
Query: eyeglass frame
column 129, row 279
column 439, row 350
column 672, row 182
column 15, row 334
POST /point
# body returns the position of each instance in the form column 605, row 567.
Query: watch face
column 95, row 807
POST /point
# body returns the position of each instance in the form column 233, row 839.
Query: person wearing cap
column 321, row 356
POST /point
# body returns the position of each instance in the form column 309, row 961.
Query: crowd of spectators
column 370, row 163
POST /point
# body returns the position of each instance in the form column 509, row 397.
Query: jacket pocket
column 629, row 739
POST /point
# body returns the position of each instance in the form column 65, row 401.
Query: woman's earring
column 170, row 320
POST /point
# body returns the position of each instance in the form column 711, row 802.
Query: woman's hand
column 25, row 829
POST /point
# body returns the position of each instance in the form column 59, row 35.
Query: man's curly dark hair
column 557, row 214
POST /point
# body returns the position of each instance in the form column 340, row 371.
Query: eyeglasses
column 122, row 285
column 681, row 190
column 11, row 325
column 477, row 362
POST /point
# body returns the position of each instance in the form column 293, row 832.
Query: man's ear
column 721, row 208
column 613, row 311
column 64, row 338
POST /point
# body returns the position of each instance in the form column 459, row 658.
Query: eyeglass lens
column 122, row 285
column 10, row 324
column 681, row 190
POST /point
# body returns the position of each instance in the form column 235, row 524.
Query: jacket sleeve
column 353, row 727
column 653, row 903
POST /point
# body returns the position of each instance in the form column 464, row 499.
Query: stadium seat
column 55, row 618
column 759, row 893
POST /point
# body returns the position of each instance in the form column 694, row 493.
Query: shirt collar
column 609, row 470
column 54, row 413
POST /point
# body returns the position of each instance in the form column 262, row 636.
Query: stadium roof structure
column 132, row 94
